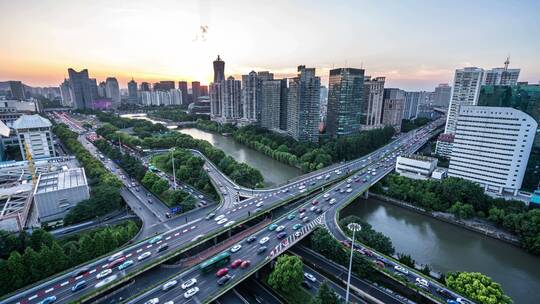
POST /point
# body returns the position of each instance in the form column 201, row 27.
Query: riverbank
column 476, row 225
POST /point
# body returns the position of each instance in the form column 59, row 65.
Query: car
column 168, row 285
column 380, row 264
column 451, row 301
column 210, row 215
column 150, row 201
column 222, row 221
column 48, row 300
column 219, row 217
column 261, row 249
column 257, row 210
column 306, row 284
column 462, row 301
column 245, row 264
column 305, row 220
column 297, row 234
column 303, row 190
column 312, row 209
column 152, row 301
column 251, row 239
column 260, row 204
column 291, row 216
column 264, row 240
column 78, row 286
column 236, row 263
column 332, row 201
column 230, row 223
column 155, row 239
column 105, row 281
column 222, row 272
column 125, row 265
column 163, row 247
column 326, row 195
column 401, row 269
column 272, row 227
column 302, row 210
column 318, row 210
column 223, row 280
column 349, row 190
column 189, row 283
column 80, row 272
column 315, row 202
column 281, row 235
column 302, row 215
column 310, row 277
column 104, row 273
column 341, row 190
column 117, row 262
column 348, row 185
column 191, row 292
column 297, row 226
column 280, row 228
column 422, row 282
column 144, row 255
column 235, row 248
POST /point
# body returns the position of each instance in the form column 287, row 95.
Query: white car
column 326, row 195
column 169, row 302
column 219, row 217
column 401, row 269
column 169, row 285
column 297, row 234
column 332, row 201
column 106, row 281
column 303, row 190
column 189, row 283
column 229, row 224
column 152, row 301
column 235, row 248
column 310, row 277
column 144, row 256
column 349, row 190
column 319, row 177
column 422, row 281
column 259, row 204
column 191, row 292
column 264, row 240
column 104, row 273
column 222, row 221
column 115, row 256
column 280, row 228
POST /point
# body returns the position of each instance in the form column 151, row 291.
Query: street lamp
column 173, row 171
column 354, row 227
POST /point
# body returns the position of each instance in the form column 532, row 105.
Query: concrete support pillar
column 215, row 240
column 229, row 233
column 366, row 194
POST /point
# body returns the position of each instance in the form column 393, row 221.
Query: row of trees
column 172, row 198
column 177, row 114
column 131, row 165
column 105, row 196
column 409, row 125
column 38, row 256
column 142, row 128
column 477, row 287
column 466, row 199
column 367, row 235
column 213, row 126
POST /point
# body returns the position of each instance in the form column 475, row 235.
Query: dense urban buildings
column 34, row 133
column 183, row 86
column 81, row 94
column 492, row 146
column 412, row 101
column 345, row 101
column 271, row 103
column 393, row 107
column 249, row 97
column 441, row 96
column 145, row 86
column 17, row 90
column 164, row 85
column 303, row 105
column 219, row 70
column 112, row 91
column 132, row 92
column 195, row 90
column 373, row 102
column 502, row 76
column 65, row 94
column 161, row 98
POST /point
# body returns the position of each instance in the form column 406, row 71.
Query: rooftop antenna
column 506, row 63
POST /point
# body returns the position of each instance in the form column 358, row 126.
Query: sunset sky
column 415, row 44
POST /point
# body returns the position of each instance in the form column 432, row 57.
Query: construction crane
column 31, row 165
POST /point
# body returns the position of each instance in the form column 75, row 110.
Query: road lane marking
column 49, row 290
column 139, row 250
column 32, row 297
column 167, row 238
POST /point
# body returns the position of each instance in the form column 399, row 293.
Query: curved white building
column 492, row 146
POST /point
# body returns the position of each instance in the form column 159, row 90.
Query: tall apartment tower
column 412, row 101
column 145, row 87
column 492, row 146
column 182, row 86
column 216, row 99
column 303, row 105
column 271, row 104
column 249, row 97
column 101, row 90
column 393, row 107
column 80, row 89
column 112, row 90
column 345, row 98
column 65, row 93
column 132, row 92
column 373, row 102
column 283, row 105
column 219, row 70
column 502, row 76
column 17, row 90
column 231, row 104
column 195, row 90
column 441, row 95
column 34, row 132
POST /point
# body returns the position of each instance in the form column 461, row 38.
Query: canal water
column 446, row 247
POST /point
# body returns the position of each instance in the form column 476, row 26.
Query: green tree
column 16, row 270
column 87, row 247
column 31, row 260
column 325, row 295
column 478, row 287
column 40, row 237
column 60, row 260
column 287, row 274
column 406, row 259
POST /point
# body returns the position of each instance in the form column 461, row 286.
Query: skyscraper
column 393, row 106
column 101, row 89
column 303, row 105
column 501, row 76
column 412, row 101
column 219, row 70
column 65, row 93
column 195, row 90
column 93, row 89
column 345, row 97
column 441, row 96
column 231, row 104
column 270, row 104
column 249, row 97
column 283, row 107
column 215, row 100
column 112, row 91
column 132, row 92
column 373, row 102
column 145, row 87
column 164, row 85
column 17, row 90
column 182, row 85
column 80, row 89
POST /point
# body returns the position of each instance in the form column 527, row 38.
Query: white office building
column 34, row 132
column 416, row 166
column 492, row 147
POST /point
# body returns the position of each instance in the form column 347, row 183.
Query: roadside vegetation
column 286, row 279
column 367, row 235
column 477, row 287
column 176, row 114
column 28, row 258
column 409, row 125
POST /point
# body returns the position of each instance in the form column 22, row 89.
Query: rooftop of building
column 55, row 181
column 419, row 157
column 31, row 121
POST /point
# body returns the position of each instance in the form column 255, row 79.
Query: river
column 446, row 247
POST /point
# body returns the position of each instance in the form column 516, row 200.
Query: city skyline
column 382, row 42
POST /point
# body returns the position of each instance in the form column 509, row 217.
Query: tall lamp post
column 173, row 171
column 354, row 227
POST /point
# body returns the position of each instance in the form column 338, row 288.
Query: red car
column 315, row 202
column 245, row 264
column 117, row 262
column 302, row 210
column 222, row 272
column 236, row 263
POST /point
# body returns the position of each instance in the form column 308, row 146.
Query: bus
column 217, row 261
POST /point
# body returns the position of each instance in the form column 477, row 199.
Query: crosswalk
column 292, row 239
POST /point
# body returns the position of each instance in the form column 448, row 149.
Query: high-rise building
column 164, row 85
column 203, row 90
column 270, row 104
column 492, row 146
column 393, row 107
column 112, row 91
column 303, row 105
column 94, row 89
column 65, row 93
column 345, row 98
column 80, row 89
column 373, row 102
column 34, row 132
column 249, row 97
column 17, row 90
column 132, row 92
column 231, row 104
column 216, row 99
column 195, row 90
column 219, row 70
column 501, row 76
column 441, row 96
column 182, row 85
column 412, row 102
column 102, row 90
column 283, row 105
column 145, row 87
